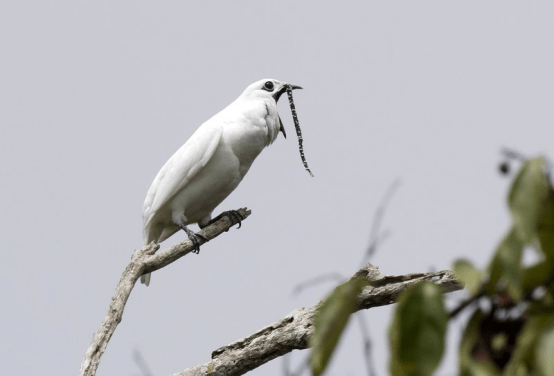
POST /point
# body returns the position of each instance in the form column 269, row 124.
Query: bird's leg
column 193, row 238
column 233, row 215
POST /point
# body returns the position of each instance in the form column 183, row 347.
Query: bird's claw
column 233, row 215
column 194, row 239
column 196, row 243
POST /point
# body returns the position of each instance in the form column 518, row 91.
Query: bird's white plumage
column 179, row 170
column 211, row 164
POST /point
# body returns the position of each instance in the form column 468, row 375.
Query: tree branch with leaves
column 368, row 288
column 511, row 331
column 512, row 334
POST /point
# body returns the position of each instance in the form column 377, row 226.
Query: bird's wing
column 182, row 167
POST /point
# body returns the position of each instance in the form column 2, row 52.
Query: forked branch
column 290, row 333
column 143, row 261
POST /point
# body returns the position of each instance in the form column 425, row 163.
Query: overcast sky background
column 96, row 96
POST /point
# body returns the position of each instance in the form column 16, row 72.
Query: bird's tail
column 148, row 237
column 145, row 279
column 155, row 234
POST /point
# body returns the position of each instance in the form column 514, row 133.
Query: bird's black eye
column 268, row 86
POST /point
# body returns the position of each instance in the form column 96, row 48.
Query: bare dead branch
column 141, row 364
column 145, row 260
column 334, row 277
column 375, row 235
column 367, row 344
column 294, row 330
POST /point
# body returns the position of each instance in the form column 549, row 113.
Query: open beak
column 281, row 128
column 276, row 96
column 283, row 89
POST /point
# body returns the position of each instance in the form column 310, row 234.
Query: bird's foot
column 194, row 238
column 233, row 215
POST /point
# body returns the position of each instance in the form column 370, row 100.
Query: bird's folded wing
column 182, row 167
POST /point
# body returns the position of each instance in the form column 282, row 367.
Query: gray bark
column 143, row 261
column 294, row 330
column 290, row 333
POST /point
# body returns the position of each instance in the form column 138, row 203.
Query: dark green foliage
column 330, row 321
column 468, row 275
column 534, row 354
column 417, row 331
column 513, row 336
column 516, row 335
column 506, row 266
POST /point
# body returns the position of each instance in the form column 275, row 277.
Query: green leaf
column 467, row 274
column 469, row 366
column 331, row 319
column 537, row 275
column 506, row 266
column 527, row 198
column 417, row 331
column 533, row 348
column 531, row 202
column 499, row 341
column 546, row 240
column 482, row 368
column 469, row 338
column 546, row 226
column 545, row 352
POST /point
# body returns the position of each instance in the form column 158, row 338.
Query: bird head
column 267, row 88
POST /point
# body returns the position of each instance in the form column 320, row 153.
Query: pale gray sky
column 95, row 97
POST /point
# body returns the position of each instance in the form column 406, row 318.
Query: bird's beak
column 281, row 128
column 279, row 92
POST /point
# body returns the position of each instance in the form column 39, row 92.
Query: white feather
column 211, row 164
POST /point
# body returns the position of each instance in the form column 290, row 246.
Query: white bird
column 212, row 163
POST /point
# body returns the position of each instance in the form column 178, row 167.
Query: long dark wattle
column 298, row 131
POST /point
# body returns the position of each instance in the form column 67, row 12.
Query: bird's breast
column 254, row 126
